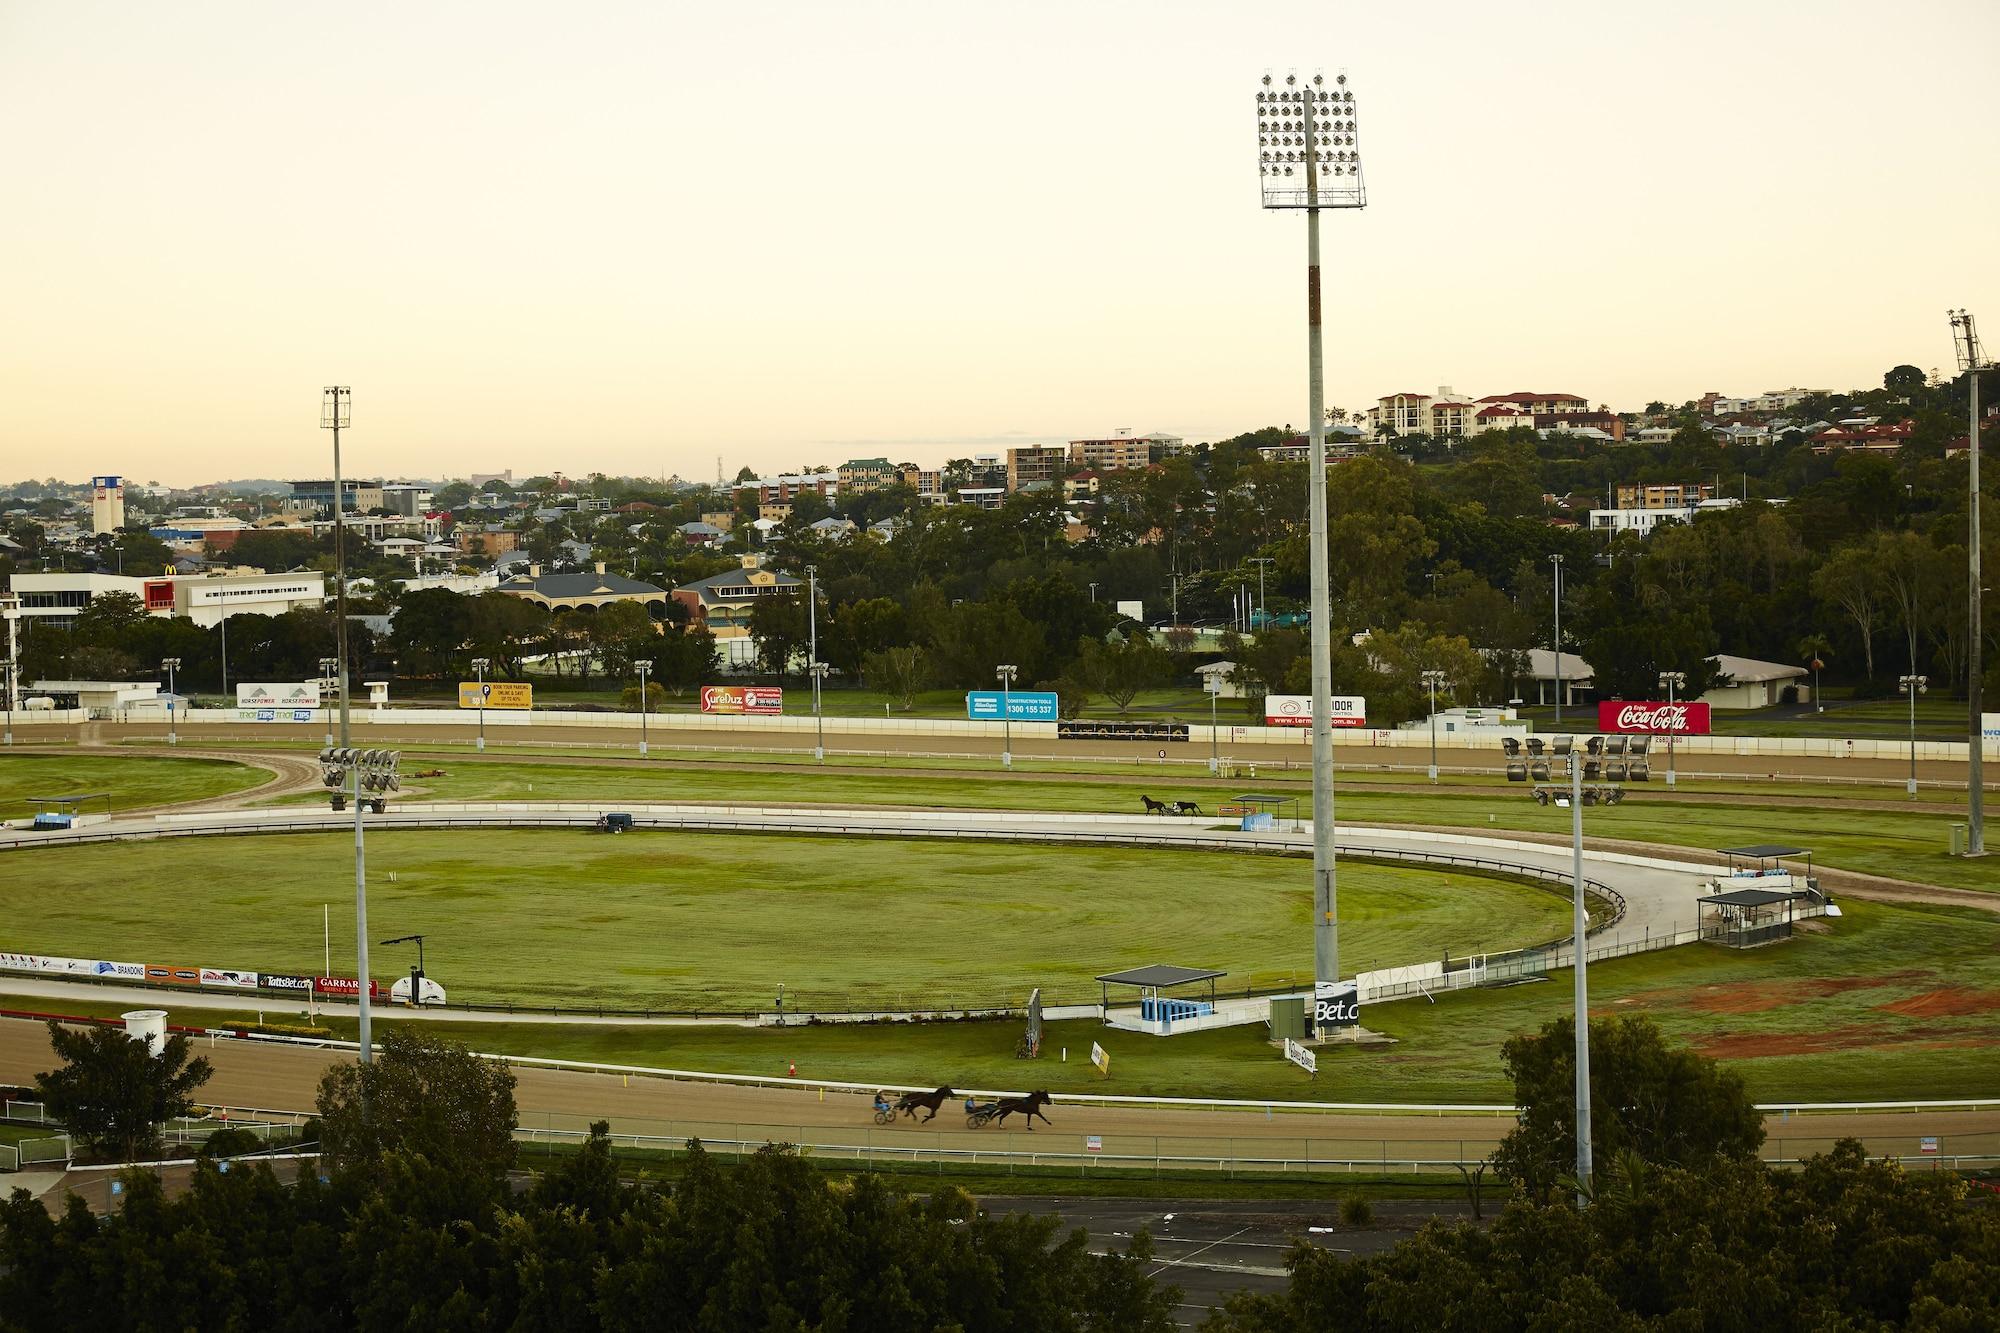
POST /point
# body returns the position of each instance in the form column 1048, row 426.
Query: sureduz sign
column 1652, row 717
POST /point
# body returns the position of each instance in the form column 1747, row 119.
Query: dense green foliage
column 112, row 1093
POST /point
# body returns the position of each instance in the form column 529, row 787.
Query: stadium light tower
column 1306, row 159
column 1006, row 674
column 336, row 413
column 479, row 665
column 170, row 665
column 645, row 665
column 326, row 666
column 1914, row 686
column 1965, row 342
column 1671, row 681
column 1433, row 679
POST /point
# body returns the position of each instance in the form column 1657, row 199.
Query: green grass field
column 1887, row 1002
column 1903, row 844
column 131, row 780
column 720, row 920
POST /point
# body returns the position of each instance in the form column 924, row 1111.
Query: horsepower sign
column 1676, row 719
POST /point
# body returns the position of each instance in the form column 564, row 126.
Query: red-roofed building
column 1879, row 437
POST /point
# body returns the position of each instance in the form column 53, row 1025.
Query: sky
column 636, row 237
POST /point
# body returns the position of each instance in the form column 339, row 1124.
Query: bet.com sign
column 1654, row 719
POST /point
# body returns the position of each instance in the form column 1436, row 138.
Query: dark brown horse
column 1154, row 807
column 1029, row 1106
column 909, row 1102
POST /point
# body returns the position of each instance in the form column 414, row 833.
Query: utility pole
column 1263, row 616
column 1557, row 561
column 1579, row 934
column 812, row 658
column 1672, row 681
column 645, row 665
column 335, row 412
column 1972, row 362
column 1433, row 679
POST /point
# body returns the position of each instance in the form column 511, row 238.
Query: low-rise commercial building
column 723, row 602
column 589, row 592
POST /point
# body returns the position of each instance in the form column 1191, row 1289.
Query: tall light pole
column 645, row 666
column 479, row 665
column 1557, row 561
column 10, row 610
column 326, row 666
column 1913, row 686
column 1006, row 675
column 1672, row 681
column 7, row 738
column 1433, row 679
column 170, row 665
column 336, row 413
column 374, row 770
column 1305, row 132
column 223, row 625
column 1263, row 617
column 1972, row 361
column 1213, row 683
column 812, row 658
column 1579, row 934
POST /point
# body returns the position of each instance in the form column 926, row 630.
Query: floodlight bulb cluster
column 1305, row 129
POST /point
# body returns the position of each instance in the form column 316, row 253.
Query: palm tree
column 1815, row 648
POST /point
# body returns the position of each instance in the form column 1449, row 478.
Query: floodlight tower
column 1965, row 342
column 336, row 413
column 1306, row 159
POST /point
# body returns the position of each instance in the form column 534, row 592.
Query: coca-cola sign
column 1653, row 717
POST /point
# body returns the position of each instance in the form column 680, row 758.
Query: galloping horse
column 931, row 1101
column 1154, row 807
column 1186, row 808
column 1030, row 1106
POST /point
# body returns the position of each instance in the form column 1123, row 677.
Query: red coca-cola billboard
column 1652, row 717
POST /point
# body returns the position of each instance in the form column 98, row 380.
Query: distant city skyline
column 631, row 237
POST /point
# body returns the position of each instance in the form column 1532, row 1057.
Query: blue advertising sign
column 1021, row 705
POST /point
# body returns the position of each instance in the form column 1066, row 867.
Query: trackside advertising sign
column 760, row 700
column 1336, row 1004
column 515, row 694
column 1019, row 705
column 1652, row 718
column 285, row 694
column 1296, row 710
column 345, row 987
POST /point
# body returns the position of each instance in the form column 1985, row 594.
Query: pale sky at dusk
column 631, row 237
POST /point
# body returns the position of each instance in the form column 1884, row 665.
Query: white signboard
column 1296, row 710
column 284, row 694
column 1302, row 1056
column 1989, row 726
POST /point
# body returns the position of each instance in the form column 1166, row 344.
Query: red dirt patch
column 1949, row 1002
column 1755, row 997
column 1759, row 1045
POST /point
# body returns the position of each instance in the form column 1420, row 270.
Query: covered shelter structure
column 1263, row 809
column 61, row 812
column 1761, row 865
column 1746, row 918
column 1150, row 981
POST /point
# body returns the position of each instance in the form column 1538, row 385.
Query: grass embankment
column 131, row 781
column 1904, row 844
column 719, row 921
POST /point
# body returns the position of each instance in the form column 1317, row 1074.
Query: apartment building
column 1124, row 450
column 1035, row 462
column 1661, row 495
column 783, row 489
column 859, row 476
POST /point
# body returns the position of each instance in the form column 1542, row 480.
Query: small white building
column 1755, row 684
column 1222, row 679
column 102, row 694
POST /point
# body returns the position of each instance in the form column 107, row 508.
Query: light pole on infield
column 812, row 658
column 1006, row 675
column 645, row 702
column 1972, row 361
column 1557, row 585
column 1913, row 686
column 336, row 413
column 1433, row 679
column 479, row 665
column 1671, row 681
column 326, row 666
column 819, row 718
column 170, row 665
column 1213, row 684
column 10, row 611
column 1306, row 159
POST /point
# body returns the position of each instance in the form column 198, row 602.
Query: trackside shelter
column 1155, row 1008
column 1745, row 918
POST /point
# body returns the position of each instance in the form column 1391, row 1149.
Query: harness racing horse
column 1154, row 807
column 1187, row 808
column 909, row 1102
column 1029, row 1106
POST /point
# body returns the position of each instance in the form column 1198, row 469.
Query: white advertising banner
column 1302, row 1056
column 1296, row 710
column 284, row 694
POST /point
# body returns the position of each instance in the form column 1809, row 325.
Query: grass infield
column 131, row 780
column 719, row 921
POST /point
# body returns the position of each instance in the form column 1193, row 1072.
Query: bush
column 231, row 1142
column 1355, row 1211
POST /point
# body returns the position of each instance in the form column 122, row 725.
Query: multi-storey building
column 1035, row 462
column 928, row 483
column 782, row 489
column 723, row 602
column 859, row 476
column 56, row 598
column 314, row 496
column 1662, row 495
column 107, row 504
column 1125, row 450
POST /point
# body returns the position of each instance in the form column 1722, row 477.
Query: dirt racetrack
column 838, row 1124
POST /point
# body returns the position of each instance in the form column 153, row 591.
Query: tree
column 1119, row 671
column 780, row 625
column 113, row 1093
column 898, row 672
column 1665, row 1104
column 421, row 1095
column 1904, row 381
column 107, row 618
column 684, row 659
column 1851, row 582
